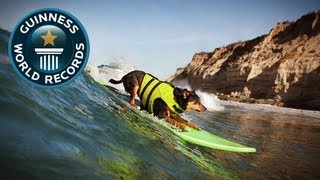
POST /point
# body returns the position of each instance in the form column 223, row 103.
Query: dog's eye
column 197, row 101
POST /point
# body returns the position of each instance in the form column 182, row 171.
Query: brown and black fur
column 188, row 100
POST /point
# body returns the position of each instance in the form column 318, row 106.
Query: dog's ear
column 178, row 91
column 181, row 92
column 185, row 93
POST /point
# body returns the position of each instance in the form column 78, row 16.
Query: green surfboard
column 204, row 138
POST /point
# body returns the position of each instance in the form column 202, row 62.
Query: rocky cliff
column 280, row 68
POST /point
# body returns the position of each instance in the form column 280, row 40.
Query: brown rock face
column 281, row 68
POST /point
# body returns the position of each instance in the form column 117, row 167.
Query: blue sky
column 160, row 36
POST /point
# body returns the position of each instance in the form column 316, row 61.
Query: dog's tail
column 115, row 81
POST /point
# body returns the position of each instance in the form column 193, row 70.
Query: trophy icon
column 49, row 57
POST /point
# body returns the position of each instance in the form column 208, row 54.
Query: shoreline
column 274, row 103
column 271, row 108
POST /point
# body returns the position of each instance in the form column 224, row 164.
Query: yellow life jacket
column 151, row 89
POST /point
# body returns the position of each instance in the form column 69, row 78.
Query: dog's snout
column 201, row 108
column 204, row 108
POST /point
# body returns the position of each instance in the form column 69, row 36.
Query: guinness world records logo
column 49, row 48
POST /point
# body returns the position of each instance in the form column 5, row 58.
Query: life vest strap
column 145, row 87
column 177, row 109
column 150, row 94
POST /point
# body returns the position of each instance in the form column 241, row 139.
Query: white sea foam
column 210, row 101
column 114, row 70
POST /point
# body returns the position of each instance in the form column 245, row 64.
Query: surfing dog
column 161, row 98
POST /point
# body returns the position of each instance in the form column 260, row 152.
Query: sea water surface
column 86, row 131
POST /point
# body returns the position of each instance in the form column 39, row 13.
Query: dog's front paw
column 183, row 127
column 138, row 107
column 193, row 126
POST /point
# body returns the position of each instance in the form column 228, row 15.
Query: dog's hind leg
column 133, row 94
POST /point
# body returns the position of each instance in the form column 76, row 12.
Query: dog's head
column 188, row 100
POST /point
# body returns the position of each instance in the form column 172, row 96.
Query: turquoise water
column 86, row 131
